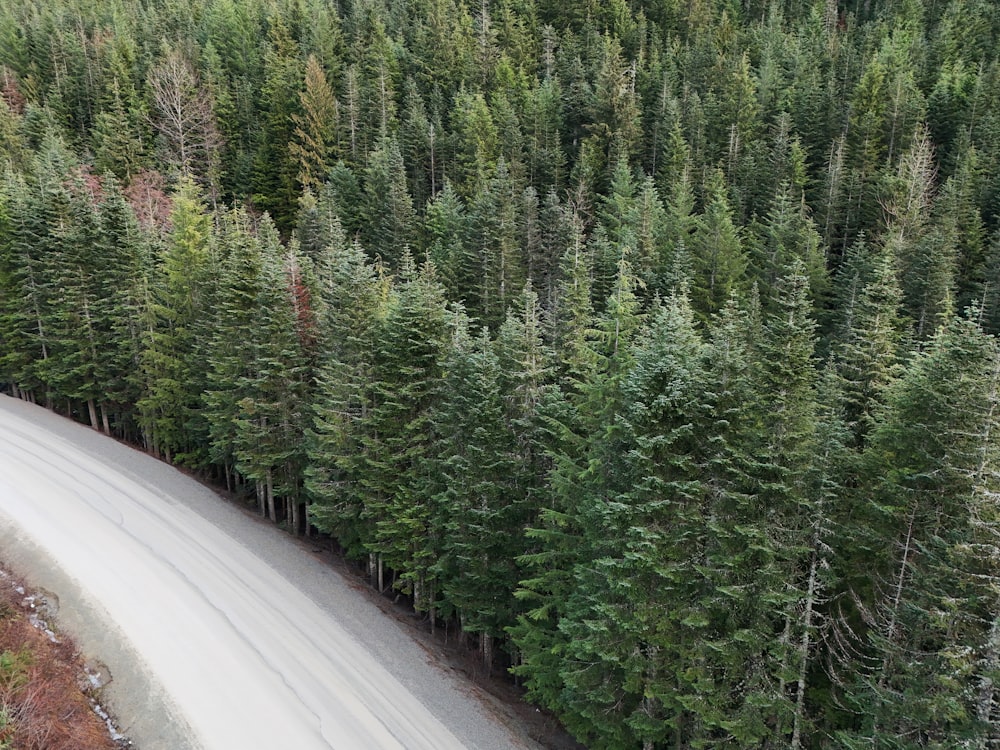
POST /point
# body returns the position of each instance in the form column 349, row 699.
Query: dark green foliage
column 350, row 298
column 925, row 657
column 478, row 517
column 686, row 416
column 387, row 208
column 396, row 434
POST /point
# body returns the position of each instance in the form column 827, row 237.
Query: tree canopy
column 653, row 345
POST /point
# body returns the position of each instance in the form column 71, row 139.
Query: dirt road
column 219, row 631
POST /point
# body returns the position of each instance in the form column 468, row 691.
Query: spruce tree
column 716, row 250
column 396, row 432
column 921, row 660
column 387, row 208
column 622, row 617
column 475, row 521
column 169, row 364
column 351, row 298
column 867, row 352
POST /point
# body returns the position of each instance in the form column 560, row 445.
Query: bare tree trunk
column 92, row 410
column 804, row 646
column 433, row 182
column 430, row 609
column 269, row 495
column 487, row 647
column 897, row 598
column 105, row 423
column 898, row 594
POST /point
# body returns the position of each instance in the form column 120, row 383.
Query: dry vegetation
column 42, row 706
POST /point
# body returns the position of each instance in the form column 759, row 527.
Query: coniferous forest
column 653, row 344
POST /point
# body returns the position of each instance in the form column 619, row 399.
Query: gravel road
column 219, row 631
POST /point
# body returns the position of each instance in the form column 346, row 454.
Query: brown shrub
column 42, row 706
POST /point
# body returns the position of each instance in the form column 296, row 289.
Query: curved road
column 219, row 632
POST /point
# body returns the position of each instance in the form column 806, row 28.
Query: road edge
column 141, row 708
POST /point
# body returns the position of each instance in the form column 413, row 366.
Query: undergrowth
column 42, row 705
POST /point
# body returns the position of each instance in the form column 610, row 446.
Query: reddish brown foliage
column 305, row 319
column 152, row 206
column 10, row 91
column 39, row 688
column 82, row 181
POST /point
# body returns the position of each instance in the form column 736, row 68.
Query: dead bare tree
column 184, row 115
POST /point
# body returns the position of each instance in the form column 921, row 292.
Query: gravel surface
column 219, row 630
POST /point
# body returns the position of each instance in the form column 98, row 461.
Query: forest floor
column 48, row 695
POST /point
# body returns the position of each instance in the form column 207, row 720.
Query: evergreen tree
column 275, row 169
column 126, row 263
column 351, row 297
column 271, row 413
column 477, row 516
column 169, row 363
column 584, row 451
column 868, row 350
column 923, row 661
column 315, row 129
column 787, row 234
column 716, row 251
column 387, row 207
column 396, row 432
column 498, row 260
column 446, row 230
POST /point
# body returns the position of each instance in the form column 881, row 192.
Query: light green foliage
column 170, row 368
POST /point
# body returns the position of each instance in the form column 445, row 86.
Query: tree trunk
column 269, row 496
column 804, row 645
column 92, row 409
column 430, row 609
column 105, row 423
column 898, row 593
column 487, row 641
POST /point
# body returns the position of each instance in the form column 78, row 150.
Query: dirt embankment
column 47, row 693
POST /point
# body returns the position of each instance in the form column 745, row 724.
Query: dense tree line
column 651, row 344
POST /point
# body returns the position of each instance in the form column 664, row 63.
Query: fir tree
column 397, row 434
column 923, row 660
